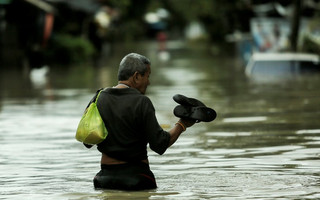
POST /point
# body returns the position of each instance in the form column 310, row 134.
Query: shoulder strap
column 95, row 97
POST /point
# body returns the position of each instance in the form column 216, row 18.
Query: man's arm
column 179, row 127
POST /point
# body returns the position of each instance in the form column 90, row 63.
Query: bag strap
column 95, row 97
column 98, row 95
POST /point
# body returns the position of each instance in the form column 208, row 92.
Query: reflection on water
column 265, row 143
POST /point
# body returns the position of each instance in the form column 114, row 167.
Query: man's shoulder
column 129, row 94
column 144, row 98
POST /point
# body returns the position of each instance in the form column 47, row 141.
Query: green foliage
column 311, row 44
column 219, row 17
column 69, row 49
column 131, row 18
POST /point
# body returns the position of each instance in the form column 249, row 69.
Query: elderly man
column 129, row 117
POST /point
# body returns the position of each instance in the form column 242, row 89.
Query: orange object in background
column 49, row 20
column 162, row 38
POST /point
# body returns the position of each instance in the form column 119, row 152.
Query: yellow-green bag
column 91, row 128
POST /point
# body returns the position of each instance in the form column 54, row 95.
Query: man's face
column 143, row 81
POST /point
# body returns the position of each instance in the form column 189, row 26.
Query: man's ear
column 135, row 76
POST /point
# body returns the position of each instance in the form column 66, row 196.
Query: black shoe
column 186, row 101
column 199, row 113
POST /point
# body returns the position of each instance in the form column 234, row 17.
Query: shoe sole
column 199, row 113
column 186, row 101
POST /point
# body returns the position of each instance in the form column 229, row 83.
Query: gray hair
column 132, row 63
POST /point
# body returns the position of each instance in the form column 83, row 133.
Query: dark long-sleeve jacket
column 131, row 122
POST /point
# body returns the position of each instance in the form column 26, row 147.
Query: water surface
column 264, row 144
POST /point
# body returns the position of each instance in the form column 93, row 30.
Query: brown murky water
column 265, row 143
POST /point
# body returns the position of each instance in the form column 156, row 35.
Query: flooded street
column 264, row 144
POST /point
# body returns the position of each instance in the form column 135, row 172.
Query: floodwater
column 264, row 144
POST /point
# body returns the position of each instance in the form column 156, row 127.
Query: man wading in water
column 130, row 119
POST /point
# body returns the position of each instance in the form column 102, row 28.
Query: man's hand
column 187, row 122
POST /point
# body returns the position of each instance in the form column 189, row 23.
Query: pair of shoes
column 199, row 113
column 191, row 108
